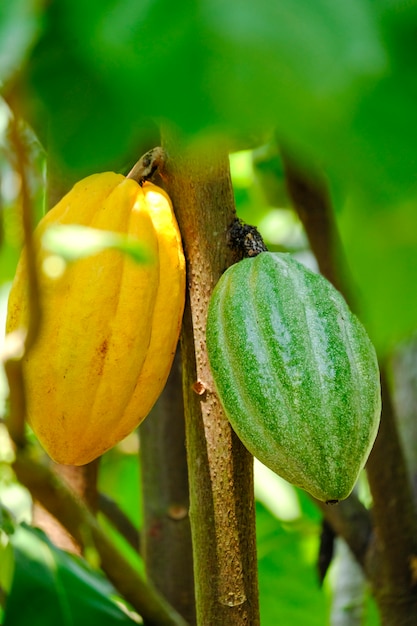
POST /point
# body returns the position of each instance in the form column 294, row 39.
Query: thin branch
column 119, row 520
column 393, row 504
column 82, row 480
column 148, row 164
column 69, row 510
column 28, row 241
column 312, row 203
column 14, row 363
column 166, row 533
column 351, row 521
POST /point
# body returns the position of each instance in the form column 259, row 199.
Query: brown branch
column 351, row 521
column 394, row 516
column 14, row 364
column 220, row 469
column 148, row 164
column 28, row 241
column 119, row 520
column 59, row 500
column 167, row 548
column 83, row 481
column 312, row 203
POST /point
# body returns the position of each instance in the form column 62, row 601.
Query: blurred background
column 329, row 86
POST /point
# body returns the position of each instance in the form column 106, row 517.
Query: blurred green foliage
column 53, row 587
column 335, row 82
column 10, row 209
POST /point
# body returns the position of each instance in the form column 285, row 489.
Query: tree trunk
column 222, row 511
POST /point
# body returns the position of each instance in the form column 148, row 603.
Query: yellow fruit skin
column 109, row 326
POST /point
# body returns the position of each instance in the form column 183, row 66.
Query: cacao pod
column 109, row 326
column 295, row 371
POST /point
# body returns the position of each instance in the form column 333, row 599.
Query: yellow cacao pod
column 109, row 325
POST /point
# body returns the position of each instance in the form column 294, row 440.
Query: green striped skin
column 296, row 373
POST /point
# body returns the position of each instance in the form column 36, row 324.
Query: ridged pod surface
column 296, row 373
column 109, row 325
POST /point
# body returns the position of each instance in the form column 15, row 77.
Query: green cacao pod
column 295, row 371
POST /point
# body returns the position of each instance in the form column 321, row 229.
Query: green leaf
column 238, row 68
column 336, row 80
column 300, row 64
column 287, row 571
column 53, row 587
column 77, row 242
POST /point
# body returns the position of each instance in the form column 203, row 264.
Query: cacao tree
column 297, row 117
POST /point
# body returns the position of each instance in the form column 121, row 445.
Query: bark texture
column 220, row 469
column 166, row 534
